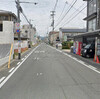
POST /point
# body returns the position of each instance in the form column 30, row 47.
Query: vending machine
column 78, row 48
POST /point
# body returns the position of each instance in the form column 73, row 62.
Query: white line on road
column 79, row 61
column 41, row 73
column 37, row 74
column 92, row 67
column 18, row 63
column 22, row 59
column 17, row 68
column 11, row 70
column 2, row 79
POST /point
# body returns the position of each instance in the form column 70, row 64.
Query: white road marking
column 36, row 52
column 7, row 78
column 38, row 58
column 2, row 79
column 37, row 74
column 25, row 56
column 18, row 63
column 42, row 51
column 81, row 62
column 11, row 70
column 22, row 59
column 92, row 67
column 41, row 73
column 35, row 58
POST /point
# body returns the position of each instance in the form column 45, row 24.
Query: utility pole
column 18, row 21
column 20, row 10
column 53, row 22
column 30, row 29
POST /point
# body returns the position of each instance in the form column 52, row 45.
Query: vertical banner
column 19, row 46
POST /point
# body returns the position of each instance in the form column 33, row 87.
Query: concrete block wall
column 4, row 60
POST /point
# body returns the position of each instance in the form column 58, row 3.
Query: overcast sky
column 40, row 13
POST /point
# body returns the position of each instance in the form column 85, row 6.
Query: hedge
column 67, row 45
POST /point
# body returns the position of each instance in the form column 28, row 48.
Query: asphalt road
column 49, row 74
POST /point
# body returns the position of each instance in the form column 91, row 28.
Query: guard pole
column 10, row 55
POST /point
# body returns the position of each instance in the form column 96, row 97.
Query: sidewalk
column 4, row 71
column 86, row 60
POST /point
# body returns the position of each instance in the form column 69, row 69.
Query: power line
column 62, row 11
column 75, row 16
column 76, row 11
column 66, row 13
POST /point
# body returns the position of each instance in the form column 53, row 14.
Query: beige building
column 54, row 37
column 29, row 32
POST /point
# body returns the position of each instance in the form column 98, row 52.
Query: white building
column 29, row 32
column 7, row 30
column 7, row 27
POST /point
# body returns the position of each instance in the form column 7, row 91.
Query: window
column 1, row 27
column 3, row 18
column 92, row 6
column 92, row 25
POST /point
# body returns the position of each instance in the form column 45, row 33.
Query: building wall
column 93, row 11
column 68, row 36
column 7, row 35
column 29, row 32
column 53, row 37
column 33, row 36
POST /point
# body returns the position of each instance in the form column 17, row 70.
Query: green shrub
column 67, row 45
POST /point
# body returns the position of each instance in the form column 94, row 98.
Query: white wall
column 7, row 35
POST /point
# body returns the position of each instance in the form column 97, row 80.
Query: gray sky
column 40, row 14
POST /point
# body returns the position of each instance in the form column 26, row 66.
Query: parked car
column 88, row 51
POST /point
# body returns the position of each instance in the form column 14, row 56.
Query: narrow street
column 49, row 74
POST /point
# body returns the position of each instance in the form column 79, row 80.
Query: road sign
column 17, row 31
column 17, row 26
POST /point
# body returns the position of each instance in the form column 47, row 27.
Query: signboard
column 17, row 31
column 17, row 26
